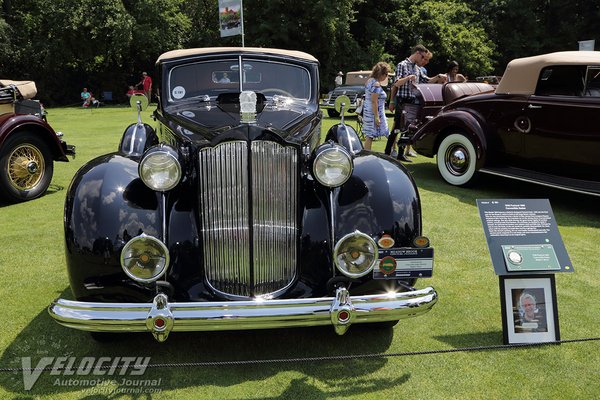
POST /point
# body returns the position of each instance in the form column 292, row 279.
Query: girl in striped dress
column 374, row 120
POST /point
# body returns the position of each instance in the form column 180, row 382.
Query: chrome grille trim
column 274, row 174
column 232, row 266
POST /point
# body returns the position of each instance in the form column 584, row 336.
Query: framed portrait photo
column 529, row 309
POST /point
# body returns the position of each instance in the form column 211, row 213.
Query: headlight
column 160, row 169
column 144, row 258
column 355, row 254
column 332, row 166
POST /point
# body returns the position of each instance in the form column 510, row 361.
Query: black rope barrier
column 327, row 358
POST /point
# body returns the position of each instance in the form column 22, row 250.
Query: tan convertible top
column 522, row 74
column 212, row 50
column 26, row 89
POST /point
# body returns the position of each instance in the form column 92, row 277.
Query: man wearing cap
column 146, row 83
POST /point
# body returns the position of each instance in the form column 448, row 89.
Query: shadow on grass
column 52, row 189
column 575, row 209
column 44, row 338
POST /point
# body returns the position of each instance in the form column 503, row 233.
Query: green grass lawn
column 467, row 315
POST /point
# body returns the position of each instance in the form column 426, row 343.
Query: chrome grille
column 249, row 195
column 351, row 96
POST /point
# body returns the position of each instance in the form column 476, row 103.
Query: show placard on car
column 399, row 263
column 522, row 236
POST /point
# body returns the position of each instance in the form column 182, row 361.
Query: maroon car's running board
column 573, row 185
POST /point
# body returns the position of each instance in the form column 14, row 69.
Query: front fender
column 106, row 205
column 427, row 139
column 136, row 139
column 12, row 123
column 379, row 198
column 345, row 136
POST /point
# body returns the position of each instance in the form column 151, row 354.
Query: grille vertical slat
column 226, row 195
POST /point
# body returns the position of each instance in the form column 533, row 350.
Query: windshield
column 206, row 80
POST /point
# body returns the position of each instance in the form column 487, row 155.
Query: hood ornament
column 247, row 107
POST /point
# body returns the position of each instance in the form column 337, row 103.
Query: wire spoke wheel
column 26, row 167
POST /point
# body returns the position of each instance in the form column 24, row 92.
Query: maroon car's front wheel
column 25, row 167
column 456, row 159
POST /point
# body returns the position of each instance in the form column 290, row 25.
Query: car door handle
column 532, row 106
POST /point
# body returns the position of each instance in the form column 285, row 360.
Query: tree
column 159, row 26
column 204, row 17
column 452, row 30
column 318, row 27
column 522, row 29
column 66, row 44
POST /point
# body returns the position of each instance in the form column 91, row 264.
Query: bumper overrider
column 162, row 317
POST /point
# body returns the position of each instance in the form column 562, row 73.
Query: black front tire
column 26, row 167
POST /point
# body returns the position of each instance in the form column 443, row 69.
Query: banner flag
column 230, row 17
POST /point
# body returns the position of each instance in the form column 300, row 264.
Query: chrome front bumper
column 161, row 317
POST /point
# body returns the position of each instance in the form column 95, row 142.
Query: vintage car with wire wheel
column 232, row 213
column 28, row 145
column 541, row 125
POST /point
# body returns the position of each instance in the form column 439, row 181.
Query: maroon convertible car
column 542, row 125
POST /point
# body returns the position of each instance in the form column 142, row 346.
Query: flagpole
column 242, row 17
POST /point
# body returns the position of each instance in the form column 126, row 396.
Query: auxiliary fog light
column 355, row 254
column 333, row 165
column 145, row 258
column 160, row 168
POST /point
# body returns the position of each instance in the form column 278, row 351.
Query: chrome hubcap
column 32, row 167
column 457, row 160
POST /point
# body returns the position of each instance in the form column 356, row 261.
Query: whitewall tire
column 456, row 159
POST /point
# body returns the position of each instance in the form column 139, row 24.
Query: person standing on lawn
column 374, row 119
column 408, row 74
column 146, row 83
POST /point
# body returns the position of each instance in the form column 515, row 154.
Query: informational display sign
column 523, row 237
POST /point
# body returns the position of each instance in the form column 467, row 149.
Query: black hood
column 201, row 121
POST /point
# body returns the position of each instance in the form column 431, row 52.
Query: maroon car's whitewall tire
column 456, row 160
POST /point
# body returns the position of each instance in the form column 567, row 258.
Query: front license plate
column 404, row 263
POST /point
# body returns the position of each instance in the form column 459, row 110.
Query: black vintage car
column 28, row 145
column 231, row 213
column 354, row 89
column 541, row 125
